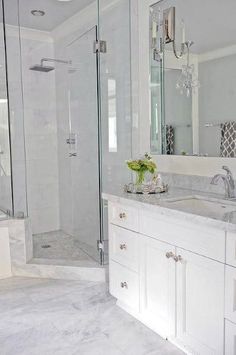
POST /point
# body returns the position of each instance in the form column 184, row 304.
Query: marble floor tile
column 46, row 317
column 62, row 246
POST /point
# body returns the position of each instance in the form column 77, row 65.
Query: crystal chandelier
column 187, row 81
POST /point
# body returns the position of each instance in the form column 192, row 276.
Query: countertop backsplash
column 193, row 182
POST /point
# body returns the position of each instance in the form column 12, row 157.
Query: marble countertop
column 161, row 203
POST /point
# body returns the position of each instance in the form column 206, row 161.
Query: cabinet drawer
column 124, row 216
column 230, row 338
column 231, row 249
column 123, row 246
column 230, row 293
column 202, row 240
column 124, row 285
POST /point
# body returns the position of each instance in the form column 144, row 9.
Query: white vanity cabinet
column 170, row 274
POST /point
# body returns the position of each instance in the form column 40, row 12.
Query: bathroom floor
column 70, row 318
column 58, row 245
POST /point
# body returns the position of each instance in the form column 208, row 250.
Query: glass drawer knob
column 123, row 285
column 122, row 246
column 169, row 255
column 122, row 215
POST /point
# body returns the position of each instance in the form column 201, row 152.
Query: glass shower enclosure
column 54, row 94
column 6, row 200
column 69, row 81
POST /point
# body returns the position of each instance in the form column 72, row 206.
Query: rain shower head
column 46, row 68
column 42, row 68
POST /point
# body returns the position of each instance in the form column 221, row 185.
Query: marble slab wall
column 193, row 182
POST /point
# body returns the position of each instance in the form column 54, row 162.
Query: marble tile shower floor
column 60, row 248
column 47, row 317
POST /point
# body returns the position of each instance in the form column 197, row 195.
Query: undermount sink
column 201, row 206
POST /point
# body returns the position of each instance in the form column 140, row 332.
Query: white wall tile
column 46, row 219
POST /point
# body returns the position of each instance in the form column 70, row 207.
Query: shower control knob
column 123, row 247
column 123, row 285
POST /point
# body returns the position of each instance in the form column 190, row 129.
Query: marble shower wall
column 40, row 123
column 34, row 128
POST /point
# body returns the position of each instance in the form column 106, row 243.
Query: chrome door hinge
column 100, row 46
column 100, row 245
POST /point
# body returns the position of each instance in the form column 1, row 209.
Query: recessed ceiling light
column 37, row 13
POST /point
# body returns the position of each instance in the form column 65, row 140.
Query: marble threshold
column 45, row 268
column 160, row 203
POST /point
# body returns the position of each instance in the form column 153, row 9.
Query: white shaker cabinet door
column 230, row 338
column 230, row 293
column 157, row 274
column 200, row 304
column 230, row 249
column 5, row 258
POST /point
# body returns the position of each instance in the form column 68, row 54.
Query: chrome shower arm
column 55, row 61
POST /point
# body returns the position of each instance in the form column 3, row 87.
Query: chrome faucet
column 228, row 182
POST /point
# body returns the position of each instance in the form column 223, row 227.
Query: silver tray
column 147, row 189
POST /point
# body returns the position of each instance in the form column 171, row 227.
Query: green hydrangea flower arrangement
column 141, row 167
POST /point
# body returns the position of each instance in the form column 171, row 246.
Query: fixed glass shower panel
column 6, row 204
column 116, row 102
column 83, row 144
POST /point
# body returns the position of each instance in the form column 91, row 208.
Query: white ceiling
column 56, row 12
column 210, row 24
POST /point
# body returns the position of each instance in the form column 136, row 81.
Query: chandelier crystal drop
column 187, row 81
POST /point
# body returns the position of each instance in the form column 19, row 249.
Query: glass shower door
column 6, row 201
column 83, row 143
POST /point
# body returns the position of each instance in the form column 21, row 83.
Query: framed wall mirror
column 192, row 84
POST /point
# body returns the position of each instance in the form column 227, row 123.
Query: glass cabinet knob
column 169, row 255
column 123, row 285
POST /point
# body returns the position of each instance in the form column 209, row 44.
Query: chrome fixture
column 123, row 247
column 164, row 32
column 176, row 258
column 45, row 246
column 122, row 215
column 46, row 68
column 169, row 255
column 100, row 46
column 38, row 13
column 187, row 82
column 228, row 182
column 169, row 22
column 123, row 285
column 72, row 141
